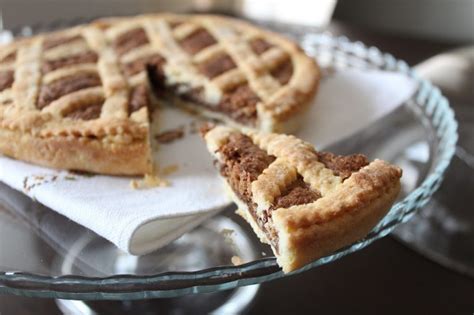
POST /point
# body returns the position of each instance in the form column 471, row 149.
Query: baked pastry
column 80, row 98
column 304, row 203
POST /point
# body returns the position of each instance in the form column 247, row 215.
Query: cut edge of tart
column 81, row 98
column 304, row 203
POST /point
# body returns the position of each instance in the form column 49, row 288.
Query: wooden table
column 385, row 278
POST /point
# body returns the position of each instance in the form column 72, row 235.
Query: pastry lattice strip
column 301, row 156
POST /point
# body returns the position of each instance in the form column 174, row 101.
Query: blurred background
column 447, row 20
column 436, row 37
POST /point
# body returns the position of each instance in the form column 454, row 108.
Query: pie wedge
column 81, row 98
column 304, row 203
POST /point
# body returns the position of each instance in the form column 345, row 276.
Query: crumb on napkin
column 149, row 181
column 168, row 170
column 227, row 233
column 81, row 173
column 171, row 135
column 236, row 260
column 30, row 182
column 155, row 180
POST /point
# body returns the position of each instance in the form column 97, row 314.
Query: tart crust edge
column 75, row 153
column 307, row 244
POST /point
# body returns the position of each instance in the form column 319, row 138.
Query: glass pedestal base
column 444, row 230
column 201, row 248
column 220, row 302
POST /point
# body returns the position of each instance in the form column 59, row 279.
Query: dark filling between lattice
column 130, row 40
column 6, row 79
column 139, row 98
column 175, row 24
column 87, row 112
column 66, row 85
column 297, row 193
column 140, row 64
column 216, row 66
column 86, row 57
column 259, row 45
column 197, row 41
column 55, row 41
column 283, row 71
column 239, row 103
column 9, row 58
column 342, row 165
column 242, row 163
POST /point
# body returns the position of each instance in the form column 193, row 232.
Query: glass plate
column 43, row 254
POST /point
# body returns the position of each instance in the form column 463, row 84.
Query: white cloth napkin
column 140, row 221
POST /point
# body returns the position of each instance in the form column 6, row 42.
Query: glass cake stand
column 43, row 254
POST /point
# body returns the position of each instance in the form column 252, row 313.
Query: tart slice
column 304, row 203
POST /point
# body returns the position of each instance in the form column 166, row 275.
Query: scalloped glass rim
column 428, row 99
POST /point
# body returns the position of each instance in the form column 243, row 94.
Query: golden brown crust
column 315, row 230
column 302, row 246
column 346, row 211
column 80, row 154
column 280, row 106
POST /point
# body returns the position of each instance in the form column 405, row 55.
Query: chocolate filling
column 239, row 103
column 197, row 41
column 297, row 193
column 139, row 98
column 129, row 40
column 341, row 165
column 170, row 135
column 86, row 57
column 89, row 112
column 6, row 79
column 217, row 65
column 140, row 64
column 157, row 79
column 59, row 40
column 175, row 24
column 66, row 85
column 259, row 45
column 283, row 72
column 9, row 58
column 243, row 162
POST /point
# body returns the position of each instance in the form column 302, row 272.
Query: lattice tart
column 304, row 203
column 80, row 98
